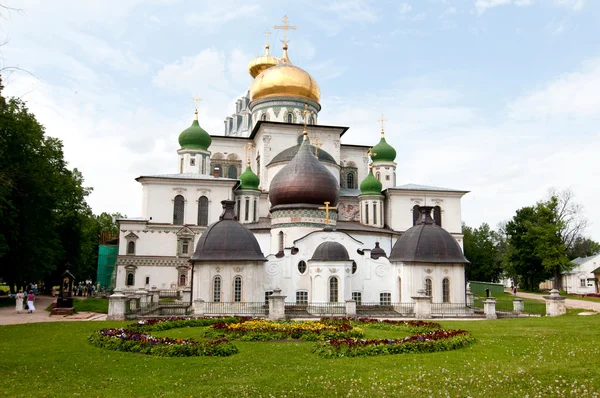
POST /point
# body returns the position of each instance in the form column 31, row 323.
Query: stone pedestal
column 518, row 305
column 351, row 308
column 116, row 306
column 470, row 298
column 422, row 305
column 155, row 293
column 555, row 304
column 186, row 297
column 276, row 305
column 143, row 295
column 489, row 308
column 199, row 307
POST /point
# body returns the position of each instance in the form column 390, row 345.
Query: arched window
column 302, row 267
column 182, row 280
column 446, row 290
column 333, row 290
column 237, row 289
column 131, row 247
column 218, row 171
column 290, row 118
column 428, row 288
column 232, row 172
column 378, row 175
column 263, row 117
column 416, row 214
column 281, row 245
column 178, row 210
column 217, row 289
column 203, row 211
column 374, row 212
column 350, row 180
column 437, row 215
column 354, row 267
column 130, row 279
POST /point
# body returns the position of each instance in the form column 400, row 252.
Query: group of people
column 22, row 298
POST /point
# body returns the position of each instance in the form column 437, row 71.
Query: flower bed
column 262, row 330
column 135, row 341
column 404, row 326
column 159, row 324
column 436, row 340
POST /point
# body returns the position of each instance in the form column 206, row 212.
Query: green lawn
column 510, row 358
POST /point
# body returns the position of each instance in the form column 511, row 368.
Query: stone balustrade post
column 351, row 308
column 276, row 305
column 155, row 295
column 489, row 308
column 186, row 297
column 518, row 305
column 555, row 304
column 116, row 305
column 422, row 305
column 143, row 294
column 199, row 307
column 470, row 297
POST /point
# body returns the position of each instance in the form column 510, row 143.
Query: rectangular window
column 184, row 247
column 366, row 213
column 239, row 204
column 374, row 212
column 203, row 164
column 268, row 293
column 192, row 161
column 385, row 298
column 247, row 209
column 333, row 290
column 147, row 280
column 582, row 282
column 255, row 219
column 237, row 289
column 301, row 297
column 357, row 296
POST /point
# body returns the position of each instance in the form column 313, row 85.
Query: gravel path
column 569, row 303
column 8, row 315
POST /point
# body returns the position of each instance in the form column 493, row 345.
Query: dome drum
column 301, row 214
column 330, row 251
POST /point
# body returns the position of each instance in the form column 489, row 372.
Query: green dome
column 194, row 137
column 370, row 185
column 249, row 180
column 384, row 152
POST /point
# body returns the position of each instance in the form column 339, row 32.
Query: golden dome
column 262, row 63
column 285, row 79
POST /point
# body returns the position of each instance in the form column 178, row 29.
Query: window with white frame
column 385, row 298
column 301, row 297
column 217, row 289
column 333, row 290
column 446, row 290
column 130, row 278
column 428, row 287
column 237, row 289
column 357, row 296
column 582, row 283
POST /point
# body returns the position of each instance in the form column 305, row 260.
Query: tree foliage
column 45, row 222
column 482, row 248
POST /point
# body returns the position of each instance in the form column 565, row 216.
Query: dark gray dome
column 304, row 180
column 377, row 252
column 227, row 240
column 330, row 251
column 288, row 154
column 427, row 243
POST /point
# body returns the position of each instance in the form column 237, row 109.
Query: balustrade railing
column 377, row 309
column 450, row 309
column 242, row 308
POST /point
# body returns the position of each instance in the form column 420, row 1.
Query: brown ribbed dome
column 427, row 243
column 227, row 240
column 330, row 251
column 304, row 180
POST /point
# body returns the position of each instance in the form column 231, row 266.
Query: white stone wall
column 386, row 173
column 414, row 275
column 372, row 210
column 160, row 276
column 193, row 161
column 252, row 275
column 357, row 155
column 159, row 195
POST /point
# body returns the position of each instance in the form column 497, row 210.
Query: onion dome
column 371, row 185
column 285, row 79
column 288, row 154
column 304, row 180
column 377, row 252
column 249, row 180
column 262, row 63
column 227, row 240
column 330, row 251
column 194, row 137
column 427, row 243
column 383, row 152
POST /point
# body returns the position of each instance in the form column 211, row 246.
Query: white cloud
column 575, row 5
column 354, row 10
column 483, row 5
column 237, row 66
column 571, row 95
column 213, row 14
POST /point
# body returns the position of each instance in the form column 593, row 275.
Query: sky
column 497, row 97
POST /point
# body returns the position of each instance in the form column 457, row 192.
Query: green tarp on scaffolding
column 107, row 259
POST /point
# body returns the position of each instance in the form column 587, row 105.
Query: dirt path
column 8, row 315
column 569, row 303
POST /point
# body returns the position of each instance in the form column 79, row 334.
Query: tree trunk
column 557, row 279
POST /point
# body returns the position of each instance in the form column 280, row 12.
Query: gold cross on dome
column 370, row 153
column 196, row 99
column 382, row 121
column 248, row 148
column 267, row 34
column 327, row 208
column 285, row 28
column 315, row 142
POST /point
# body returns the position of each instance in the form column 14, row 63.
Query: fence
column 385, row 310
column 242, row 308
column 169, row 294
column 451, row 310
column 314, row 310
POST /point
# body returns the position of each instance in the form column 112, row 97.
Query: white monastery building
column 281, row 201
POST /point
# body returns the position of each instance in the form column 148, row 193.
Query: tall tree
column 583, row 247
column 569, row 216
column 482, row 250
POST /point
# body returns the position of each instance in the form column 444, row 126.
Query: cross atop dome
column 285, row 28
column 382, row 121
column 196, row 99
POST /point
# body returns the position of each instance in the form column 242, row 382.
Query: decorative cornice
column 139, row 261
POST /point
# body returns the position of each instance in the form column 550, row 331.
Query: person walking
column 30, row 300
column 19, row 304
